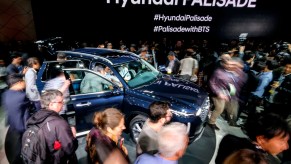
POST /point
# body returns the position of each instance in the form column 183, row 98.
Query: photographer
column 241, row 45
column 15, row 65
column 282, row 51
column 277, row 98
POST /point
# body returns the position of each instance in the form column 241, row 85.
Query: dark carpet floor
column 202, row 150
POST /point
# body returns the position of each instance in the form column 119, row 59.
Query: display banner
column 152, row 19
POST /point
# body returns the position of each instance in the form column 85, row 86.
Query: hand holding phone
column 24, row 70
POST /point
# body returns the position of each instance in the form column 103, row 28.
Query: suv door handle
column 83, row 104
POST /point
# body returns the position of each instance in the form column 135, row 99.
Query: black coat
column 176, row 66
column 230, row 143
column 283, row 92
column 16, row 106
column 57, row 129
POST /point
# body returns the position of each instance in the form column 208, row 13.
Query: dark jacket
column 11, row 69
column 57, row 129
column 176, row 66
column 16, row 106
column 283, row 92
column 230, row 143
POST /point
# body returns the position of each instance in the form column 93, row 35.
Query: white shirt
column 187, row 66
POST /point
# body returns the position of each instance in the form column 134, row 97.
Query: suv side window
column 76, row 77
column 85, row 62
column 52, row 66
column 108, row 73
column 88, row 82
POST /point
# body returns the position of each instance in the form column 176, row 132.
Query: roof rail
column 89, row 55
column 113, row 50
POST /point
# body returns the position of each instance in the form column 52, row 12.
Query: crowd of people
column 238, row 77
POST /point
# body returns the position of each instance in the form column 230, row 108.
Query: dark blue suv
column 133, row 85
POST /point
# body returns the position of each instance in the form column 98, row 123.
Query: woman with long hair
column 104, row 141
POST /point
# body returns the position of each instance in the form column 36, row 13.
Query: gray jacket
column 31, row 89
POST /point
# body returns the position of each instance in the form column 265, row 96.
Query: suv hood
column 173, row 89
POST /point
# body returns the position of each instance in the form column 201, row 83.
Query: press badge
column 232, row 89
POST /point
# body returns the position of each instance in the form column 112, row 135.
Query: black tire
column 135, row 126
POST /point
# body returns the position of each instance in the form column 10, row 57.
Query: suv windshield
column 137, row 73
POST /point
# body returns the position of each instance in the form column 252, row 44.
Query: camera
column 280, row 46
column 242, row 38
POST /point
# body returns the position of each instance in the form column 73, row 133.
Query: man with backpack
column 49, row 138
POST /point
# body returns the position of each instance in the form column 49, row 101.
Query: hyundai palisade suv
column 133, row 85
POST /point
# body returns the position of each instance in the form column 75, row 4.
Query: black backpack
column 34, row 148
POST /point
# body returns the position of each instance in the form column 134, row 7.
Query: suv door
column 84, row 102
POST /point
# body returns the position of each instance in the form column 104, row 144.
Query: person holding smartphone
column 15, row 65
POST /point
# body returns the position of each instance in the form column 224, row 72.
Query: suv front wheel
column 136, row 125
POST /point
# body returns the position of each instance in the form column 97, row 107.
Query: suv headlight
column 202, row 112
column 199, row 111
